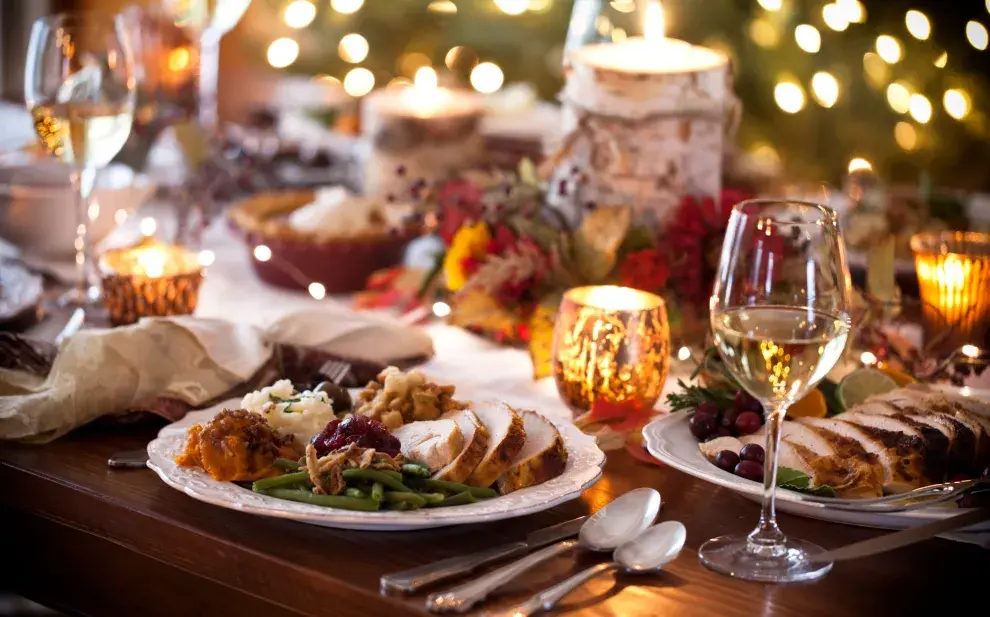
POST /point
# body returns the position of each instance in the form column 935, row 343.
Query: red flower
column 647, row 269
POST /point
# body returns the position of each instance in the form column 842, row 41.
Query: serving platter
column 669, row 440
column 584, row 468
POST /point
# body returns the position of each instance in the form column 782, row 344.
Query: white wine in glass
column 780, row 319
column 79, row 86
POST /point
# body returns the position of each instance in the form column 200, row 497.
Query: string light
column 876, row 70
column 868, row 358
column 789, row 97
column 770, row 5
column 808, row 38
column 441, row 309
column 956, row 103
column 906, row 136
column 918, row 25
column 487, row 77
column 262, row 253
column 442, row 6
column 825, row 88
column 942, row 60
column 899, row 97
column 512, row 7
column 93, row 212
column 976, row 34
column 299, row 14
column 359, row 82
column 282, row 52
column 206, row 258
column 920, row 108
column 835, row 17
column 853, row 10
column 683, row 353
column 859, row 164
column 764, row 33
column 889, row 49
column 353, row 48
column 624, row 6
column 148, row 227
column 346, row 6
column 317, row 290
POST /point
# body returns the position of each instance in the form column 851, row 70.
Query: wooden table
column 89, row 540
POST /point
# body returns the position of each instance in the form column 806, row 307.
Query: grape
column 702, row 425
column 361, row 430
column 750, row 470
column 745, row 401
column 722, row 432
column 707, row 408
column 727, row 460
column 748, row 422
column 752, row 452
column 729, row 419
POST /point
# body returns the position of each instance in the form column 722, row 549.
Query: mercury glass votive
column 954, row 281
column 150, row 279
column 610, row 344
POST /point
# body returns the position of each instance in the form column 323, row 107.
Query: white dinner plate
column 584, row 467
column 669, row 439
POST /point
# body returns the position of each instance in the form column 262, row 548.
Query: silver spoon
column 650, row 552
column 619, row 522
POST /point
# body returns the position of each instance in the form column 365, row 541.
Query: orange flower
column 468, row 248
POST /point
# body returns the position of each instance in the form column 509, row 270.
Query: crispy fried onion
column 326, row 472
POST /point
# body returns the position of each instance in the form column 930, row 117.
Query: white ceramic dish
column 670, row 440
column 584, row 468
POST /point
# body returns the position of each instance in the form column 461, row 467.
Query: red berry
column 748, row 422
column 361, row 430
column 750, row 470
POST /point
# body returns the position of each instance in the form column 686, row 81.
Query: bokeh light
column 317, row 290
column 487, row 77
column 623, row 6
column 299, row 14
column 859, row 164
column 877, row 71
column 956, row 103
column 359, row 81
column 771, row 5
column 409, row 63
column 442, row 6
column 789, row 97
column 353, row 48
column 282, row 52
column 918, row 25
column 764, row 33
column 619, row 35
column 920, row 108
column 853, row 10
column 346, row 6
column 262, row 253
column 147, row 227
column 835, row 17
column 942, row 60
column 976, row 34
column 889, row 48
column 441, row 309
column 512, row 7
column 206, row 258
column 825, row 88
column 808, row 38
column 906, row 136
column 426, row 77
column 899, row 97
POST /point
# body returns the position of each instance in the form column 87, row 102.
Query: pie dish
column 326, row 236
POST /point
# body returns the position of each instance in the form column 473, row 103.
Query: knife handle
column 412, row 580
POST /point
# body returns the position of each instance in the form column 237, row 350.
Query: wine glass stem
column 767, row 539
column 83, row 183
column 209, row 74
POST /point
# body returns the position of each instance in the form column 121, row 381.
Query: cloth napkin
column 171, row 365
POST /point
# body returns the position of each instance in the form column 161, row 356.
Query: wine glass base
column 733, row 555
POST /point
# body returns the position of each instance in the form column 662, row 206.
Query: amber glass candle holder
column 954, row 281
column 150, row 280
column 610, row 344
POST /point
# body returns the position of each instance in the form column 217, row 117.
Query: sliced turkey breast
column 506, row 437
column 434, row 443
column 903, row 470
column 838, row 461
column 543, row 456
column 475, row 445
column 906, row 436
column 941, row 432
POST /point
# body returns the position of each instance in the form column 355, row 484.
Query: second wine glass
column 780, row 319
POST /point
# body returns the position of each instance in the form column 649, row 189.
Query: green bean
column 377, row 491
column 391, row 472
column 460, row 499
column 397, row 496
column 357, row 493
column 415, row 469
column 286, row 464
column 454, row 487
column 432, row 498
column 280, row 481
column 377, row 476
column 330, row 501
column 401, row 505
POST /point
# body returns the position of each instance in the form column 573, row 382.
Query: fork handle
column 546, row 599
column 460, row 599
column 414, row 579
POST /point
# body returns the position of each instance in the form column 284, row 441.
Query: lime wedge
column 861, row 384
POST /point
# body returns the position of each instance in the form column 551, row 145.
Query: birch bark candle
column 425, row 130
column 644, row 121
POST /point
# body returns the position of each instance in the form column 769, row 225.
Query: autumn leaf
column 541, row 324
column 476, row 309
column 597, row 242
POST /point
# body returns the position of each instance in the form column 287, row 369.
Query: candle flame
column 654, row 26
column 152, row 261
column 426, row 78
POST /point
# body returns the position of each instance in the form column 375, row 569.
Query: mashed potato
column 303, row 414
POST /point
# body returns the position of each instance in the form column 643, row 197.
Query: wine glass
column 780, row 319
column 79, row 86
column 208, row 20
